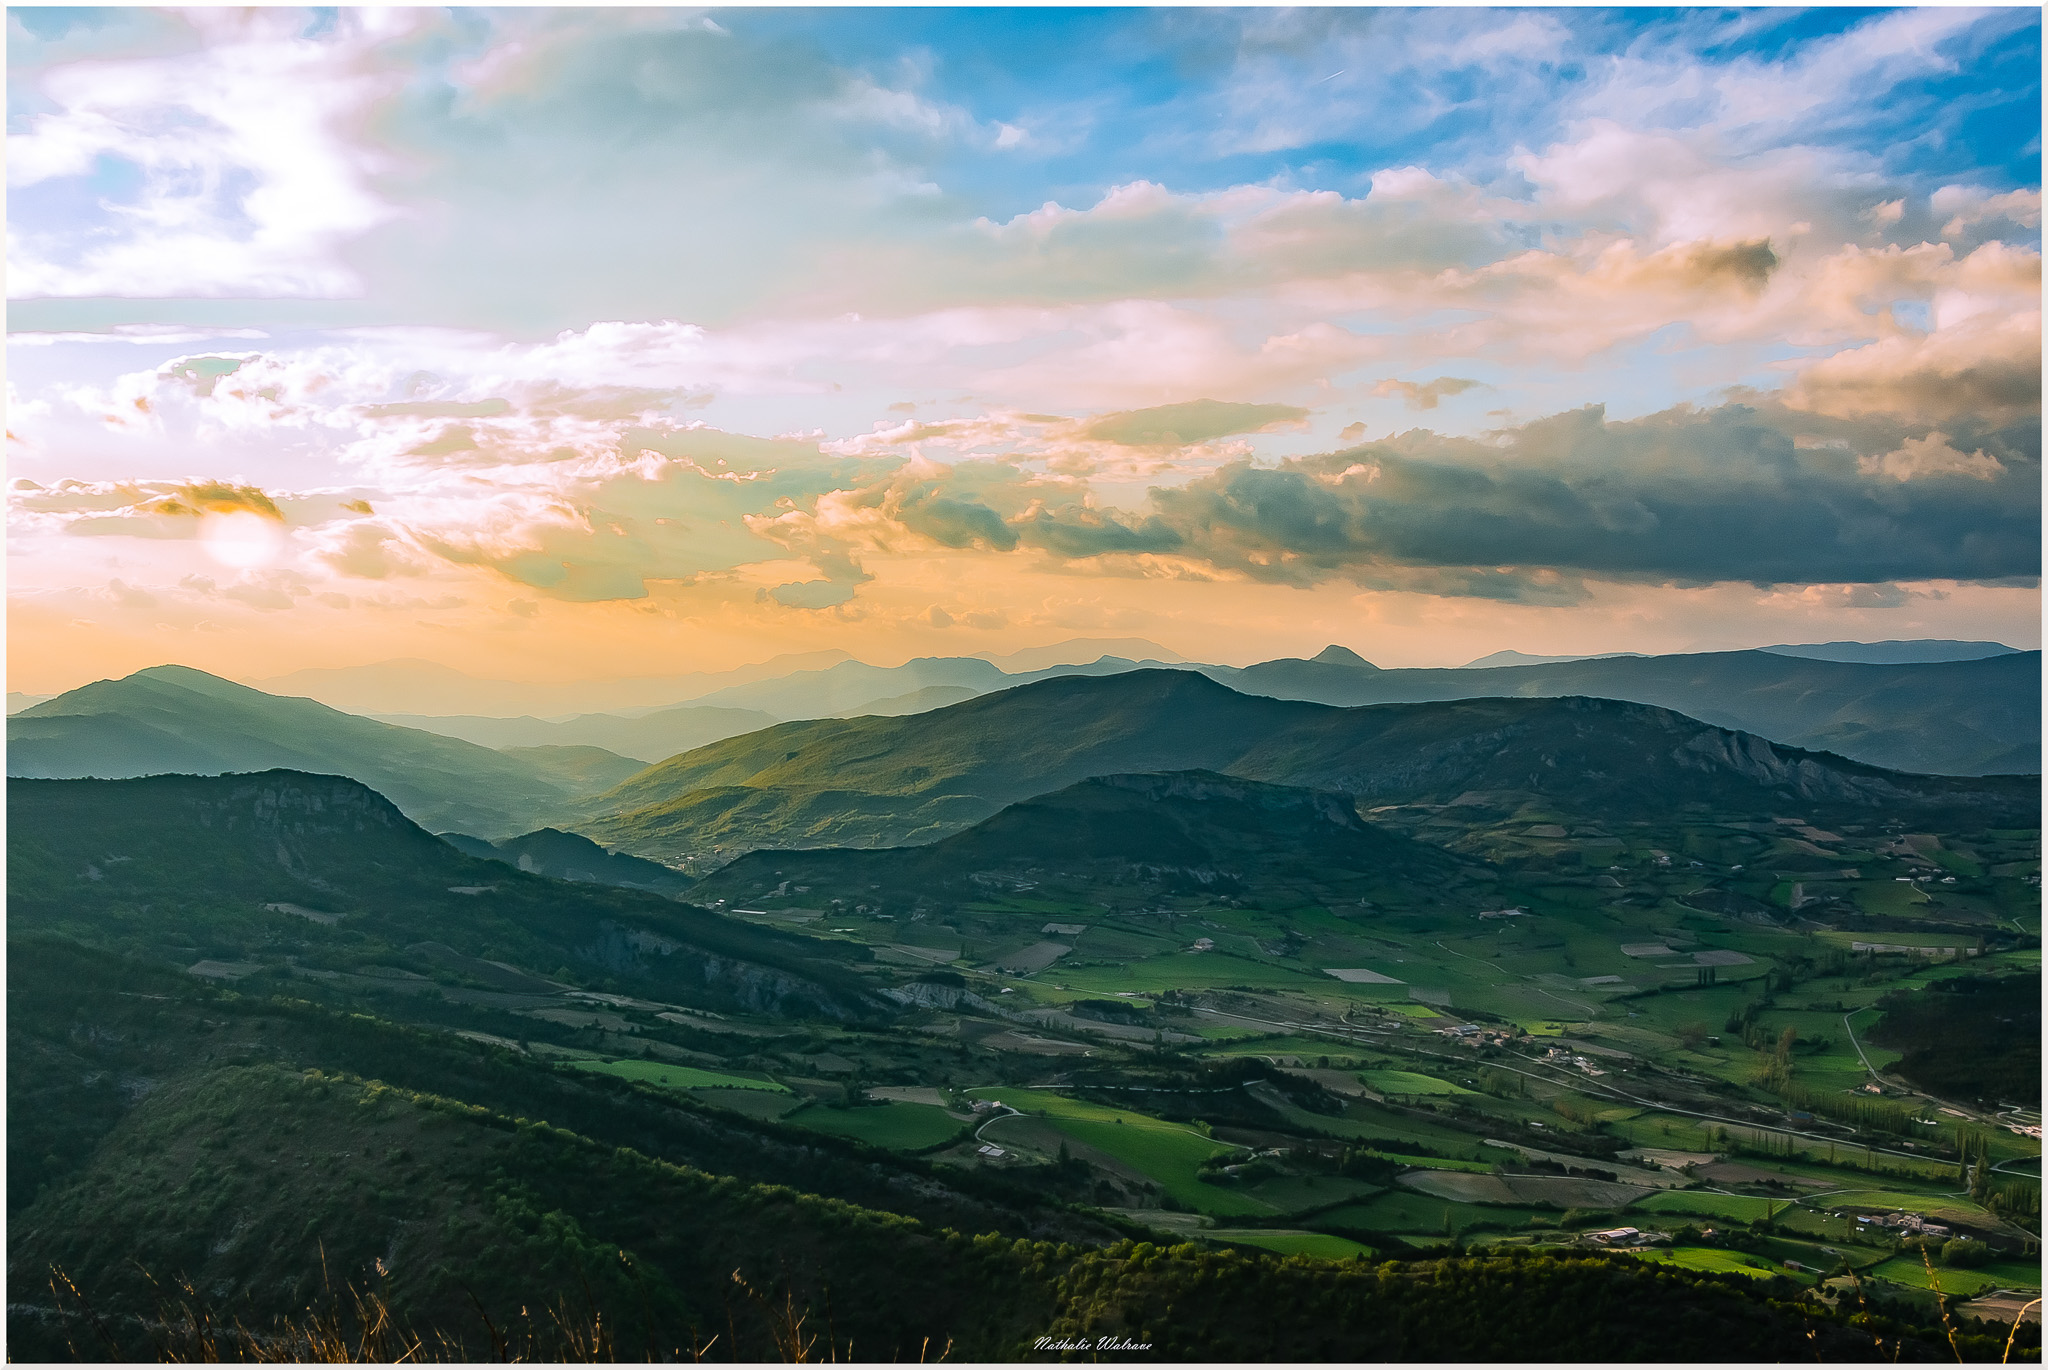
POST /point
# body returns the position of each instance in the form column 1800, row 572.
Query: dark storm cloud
column 1685, row 496
column 954, row 522
column 1751, row 493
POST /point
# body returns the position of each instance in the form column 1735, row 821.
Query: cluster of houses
column 1471, row 1034
column 1912, row 1224
column 1558, row 1056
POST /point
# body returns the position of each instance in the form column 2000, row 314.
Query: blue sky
column 799, row 327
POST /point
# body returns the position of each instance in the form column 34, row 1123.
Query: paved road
column 1850, row 1028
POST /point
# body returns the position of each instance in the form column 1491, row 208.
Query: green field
column 1170, row 1153
column 1439, row 1162
column 1293, row 1193
column 1376, row 1123
column 894, row 1126
column 1409, row 1082
column 676, row 1077
column 1714, row 1259
column 1738, row 1208
column 1898, row 1200
column 1410, row 1010
column 1957, row 1283
column 755, row 1103
column 1322, row 1245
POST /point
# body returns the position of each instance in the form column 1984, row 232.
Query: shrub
column 1965, row 1253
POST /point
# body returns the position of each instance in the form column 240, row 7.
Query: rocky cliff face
column 291, row 801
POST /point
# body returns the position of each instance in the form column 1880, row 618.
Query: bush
column 1964, row 1253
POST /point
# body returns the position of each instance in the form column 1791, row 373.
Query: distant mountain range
column 1893, row 653
column 892, row 781
column 1525, row 659
column 1941, row 708
column 427, row 688
column 647, row 737
column 171, row 719
column 1979, row 717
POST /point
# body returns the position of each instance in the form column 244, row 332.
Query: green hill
column 891, row 781
column 282, row 877
column 171, row 719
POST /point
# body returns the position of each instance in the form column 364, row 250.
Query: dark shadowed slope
column 567, row 856
column 1206, row 828
column 286, row 873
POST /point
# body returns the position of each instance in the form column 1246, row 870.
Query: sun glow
column 241, row 540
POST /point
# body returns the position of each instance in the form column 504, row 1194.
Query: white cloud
column 1918, row 458
column 250, row 175
column 133, row 334
column 1966, row 207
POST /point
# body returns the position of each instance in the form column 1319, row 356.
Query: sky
column 568, row 344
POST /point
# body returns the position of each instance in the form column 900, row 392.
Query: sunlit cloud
column 636, row 317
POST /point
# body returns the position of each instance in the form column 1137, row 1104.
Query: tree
column 1964, row 1253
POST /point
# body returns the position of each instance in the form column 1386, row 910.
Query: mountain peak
column 1333, row 655
column 192, row 678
